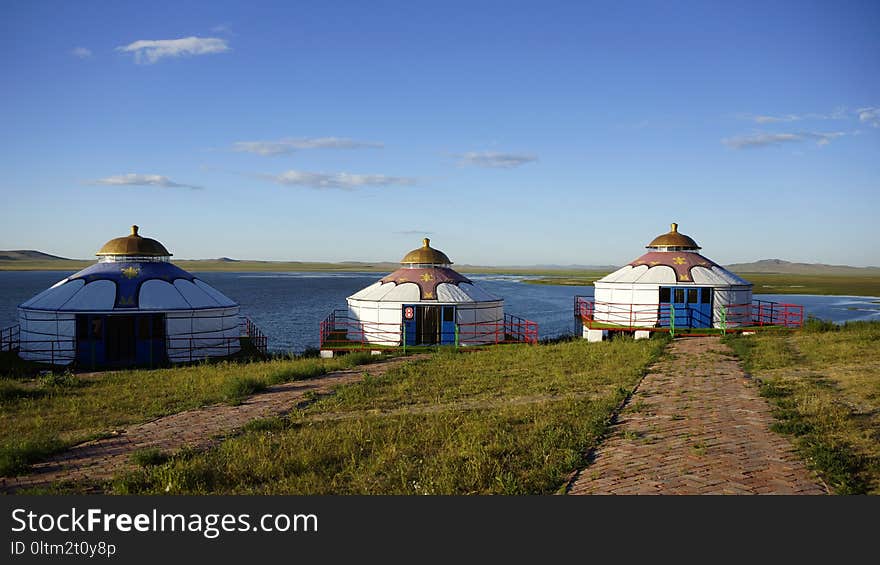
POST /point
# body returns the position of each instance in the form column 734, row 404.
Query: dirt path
column 696, row 425
column 100, row 460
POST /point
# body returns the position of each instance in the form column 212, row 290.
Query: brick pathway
column 198, row 429
column 696, row 425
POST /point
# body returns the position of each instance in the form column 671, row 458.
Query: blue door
column 428, row 325
column 120, row 340
column 150, row 342
column 408, row 314
column 90, row 349
column 687, row 307
column 447, row 326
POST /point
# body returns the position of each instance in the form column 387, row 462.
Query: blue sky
column 511, row 133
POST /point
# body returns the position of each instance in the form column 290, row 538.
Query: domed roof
column 425, row 255
column 673, row 239
column 129, row 287
column 134, row 245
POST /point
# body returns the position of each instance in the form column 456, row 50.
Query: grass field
column 825, row 384
column 41, row 415
column 507, row 420
column 764, row 283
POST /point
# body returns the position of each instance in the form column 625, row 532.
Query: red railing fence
column 660, row 316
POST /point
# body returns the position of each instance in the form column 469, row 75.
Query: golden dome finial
column 426, row 255
column 674, row 239
column 134, row 245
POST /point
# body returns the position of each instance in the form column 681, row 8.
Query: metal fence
column 666, row 316
column 178, row 348
column 339, row 331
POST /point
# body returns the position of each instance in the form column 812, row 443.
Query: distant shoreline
column 867, row 284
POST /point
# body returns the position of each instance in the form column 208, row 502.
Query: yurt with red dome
column 672, row 286
column 424, row 302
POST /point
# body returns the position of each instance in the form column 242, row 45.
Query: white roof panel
column 195, row 296
column 55, row 297
column 221, row 298
column 161, row 295
column 97, row 295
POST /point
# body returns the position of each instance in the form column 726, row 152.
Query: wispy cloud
column 870, row 115
column 151, row 50
column 222, row 28
column 81, row 52
column 839, row 113
column 289, row 145
column 494, row 159
column 769, row 139
column 340, row 181
column 134, row 179
column 413, row 232
column 775, row 119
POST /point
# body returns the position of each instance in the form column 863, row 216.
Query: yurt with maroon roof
column 671, row 285
column 424, row 302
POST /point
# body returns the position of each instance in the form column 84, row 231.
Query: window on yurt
column 679, row 295
column 664, row 295
column 706, row 296
column 692, row 296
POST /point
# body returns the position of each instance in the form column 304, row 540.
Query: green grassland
column 825, row 384
column 43, row 414
column 511, row 419
column 764, row 283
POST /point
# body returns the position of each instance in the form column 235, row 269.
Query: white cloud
column 291, row 144
column 81, row 52
column 870, row 115
column 768, row 139
column 493, row 159
column 151, row 50
column 134, row 179
column 775, row 119
column 413, row 232
column 839, row 113
column 341, row 181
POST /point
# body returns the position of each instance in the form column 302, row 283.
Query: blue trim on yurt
column 129, row 276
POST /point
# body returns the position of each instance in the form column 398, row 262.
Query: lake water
column 289, row 307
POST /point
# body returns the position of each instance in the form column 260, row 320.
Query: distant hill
column 549, row 267
column 789, row 268
column 219, row 260
column 30, row 255
column 28, row 259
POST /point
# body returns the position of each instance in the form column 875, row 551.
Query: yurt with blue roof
column 132, row 308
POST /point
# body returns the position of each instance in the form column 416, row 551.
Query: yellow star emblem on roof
column 429, row 295
column 678, row 260
column 130, row 272
column 427, row 277
column 683, row 277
